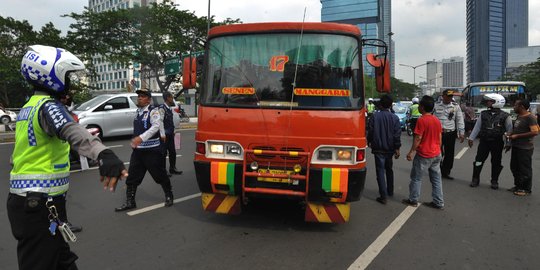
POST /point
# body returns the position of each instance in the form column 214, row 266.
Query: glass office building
column 493, row 26
column 373, row 17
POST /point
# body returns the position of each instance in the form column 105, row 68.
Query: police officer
column 451, row 117
column 147, row 152
column 167, row 132
column 39, row 179
column 490, row 128
column 370, row 107
column 413, row 113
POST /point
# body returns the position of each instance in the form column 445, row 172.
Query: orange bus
column 282, row 115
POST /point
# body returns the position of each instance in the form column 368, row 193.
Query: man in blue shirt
column 384, row 138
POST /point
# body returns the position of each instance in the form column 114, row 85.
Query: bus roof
column 284, row 27
column 496, row 83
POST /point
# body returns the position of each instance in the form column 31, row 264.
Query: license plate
column 273, row 179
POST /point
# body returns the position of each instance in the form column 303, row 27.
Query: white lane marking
column 461, row 153
column 160, row 205
column 115, row 146
column 377, row 246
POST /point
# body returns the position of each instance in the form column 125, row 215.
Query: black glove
column 109, row 164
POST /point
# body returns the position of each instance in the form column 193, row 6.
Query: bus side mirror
column 189, row 72
column 382, row 72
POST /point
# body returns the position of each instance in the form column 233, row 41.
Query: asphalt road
column 479, row 228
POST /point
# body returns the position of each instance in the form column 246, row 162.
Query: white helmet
column 370, row 99
column 498, row 100
column 415, row 100
column 49, row 67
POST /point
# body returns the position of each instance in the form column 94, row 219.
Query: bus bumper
column 315, row 191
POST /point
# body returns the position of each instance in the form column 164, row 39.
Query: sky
column 423, row 30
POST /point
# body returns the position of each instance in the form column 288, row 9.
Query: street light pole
column 414, row 70
column 208, row 21
column 390, row 34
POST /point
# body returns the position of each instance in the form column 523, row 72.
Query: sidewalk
column 7, row 135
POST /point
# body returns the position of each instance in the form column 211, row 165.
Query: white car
column 7, row 116
column 113, row 114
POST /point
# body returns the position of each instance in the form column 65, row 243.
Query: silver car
column 113, row 114
column 7, row 116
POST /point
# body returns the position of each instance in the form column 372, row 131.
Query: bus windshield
column 259, row 70
column 475, row 92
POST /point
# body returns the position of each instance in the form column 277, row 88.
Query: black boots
column 169, row 199
column 130, row 199
column 173, row 170
column 495, row 172
column 477, row 169
column 167, row 188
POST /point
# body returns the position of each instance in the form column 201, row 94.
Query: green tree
column 530, row 75
column 402, row 90
column 15, row 37
column 147, row 35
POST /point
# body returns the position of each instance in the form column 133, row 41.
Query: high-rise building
column 434, row 74
column 115, row 77
column 452, row 72
column 493, row 26
column 517, row 23
column 373, row 17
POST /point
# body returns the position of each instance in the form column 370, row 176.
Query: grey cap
column 144, row 91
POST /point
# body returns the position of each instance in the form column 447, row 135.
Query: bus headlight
column 336, row 154
column 344, row 154
column 216, row 148
column 224, row 150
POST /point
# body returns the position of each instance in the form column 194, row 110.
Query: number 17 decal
column 277, row 63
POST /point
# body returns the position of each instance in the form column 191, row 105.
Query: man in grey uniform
column 451, row 117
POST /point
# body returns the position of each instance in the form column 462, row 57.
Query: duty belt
column 448, row 130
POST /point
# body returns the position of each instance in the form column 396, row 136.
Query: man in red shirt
column 427, row 145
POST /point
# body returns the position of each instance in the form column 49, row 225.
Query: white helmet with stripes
column 49, row 67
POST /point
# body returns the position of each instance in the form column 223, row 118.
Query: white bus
column 473, row 94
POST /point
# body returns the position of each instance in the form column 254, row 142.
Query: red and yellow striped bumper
column 327, row 212
column 221, row 203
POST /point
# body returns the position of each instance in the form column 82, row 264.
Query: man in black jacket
column 384, row 138
column 490, row 127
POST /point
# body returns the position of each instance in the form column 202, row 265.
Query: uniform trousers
column 448, row 145
column 36, row 248
column 170, row 148
column 150, row 160
column 485, row 147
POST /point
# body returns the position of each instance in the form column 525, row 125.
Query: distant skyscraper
column 517, row 23
column 452, row 72
column 373, row 17
column 493, row 26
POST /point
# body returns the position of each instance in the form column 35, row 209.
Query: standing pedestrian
column 39, row 179
column 451, row 117
column 525, row 128
column 490, row 127
column 168, row 128
column 469, row 117
column 147, row 152
column 427, row 145
column 384, row 138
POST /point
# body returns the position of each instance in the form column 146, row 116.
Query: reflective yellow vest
column 40, row 162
